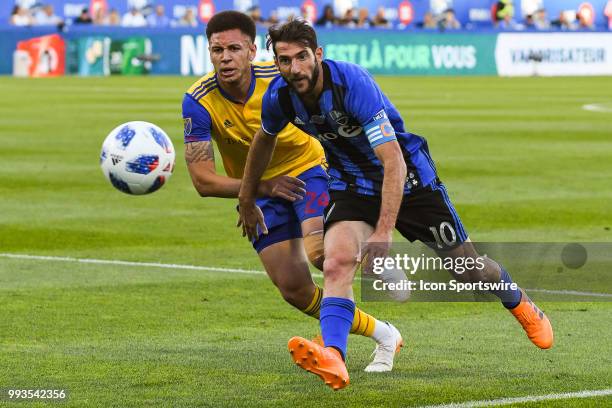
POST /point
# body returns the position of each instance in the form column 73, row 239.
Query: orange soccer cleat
column 325, row 362
column 534, row 321
column 318, row 339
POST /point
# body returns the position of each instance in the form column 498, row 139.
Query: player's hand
column 377, row 246
column 287, row 187
column 250, row 216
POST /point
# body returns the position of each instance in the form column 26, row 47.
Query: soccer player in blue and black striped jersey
column 382, row 177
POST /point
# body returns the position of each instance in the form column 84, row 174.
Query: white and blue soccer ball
column 137, row 158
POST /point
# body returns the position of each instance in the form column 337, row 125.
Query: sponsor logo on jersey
column 227, row 124
column 350, row 130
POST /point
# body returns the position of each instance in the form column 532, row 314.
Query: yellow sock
column 314, row 307
column 363, row 323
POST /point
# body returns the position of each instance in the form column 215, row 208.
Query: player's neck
column 238, row 91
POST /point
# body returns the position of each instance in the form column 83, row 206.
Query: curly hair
column 231, row 20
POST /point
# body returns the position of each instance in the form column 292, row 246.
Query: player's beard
column 312, row 81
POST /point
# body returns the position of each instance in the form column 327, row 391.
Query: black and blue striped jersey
column 354, row 117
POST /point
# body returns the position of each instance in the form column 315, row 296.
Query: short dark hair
column 296, row 31
column 231, row 20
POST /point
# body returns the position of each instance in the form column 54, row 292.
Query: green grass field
column 522, row 161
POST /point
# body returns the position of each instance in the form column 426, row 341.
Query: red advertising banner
column 47, row 55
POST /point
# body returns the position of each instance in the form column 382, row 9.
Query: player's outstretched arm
column 394, row 178
column 200, row 158
column 258, row 159
column 201, row 165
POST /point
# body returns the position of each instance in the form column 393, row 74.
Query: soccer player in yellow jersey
column 225, row 106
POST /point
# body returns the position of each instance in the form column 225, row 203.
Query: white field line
column 226, row 270
column 97, row 90
column 129, row 263
column 570, row 292
column 529, row 398
column 598, row 107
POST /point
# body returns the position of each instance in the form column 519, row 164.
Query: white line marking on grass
column 129, row 263
column 228, row 270
column 96, row 89
column 570, row 292
column 529, row 398
column 598, row 107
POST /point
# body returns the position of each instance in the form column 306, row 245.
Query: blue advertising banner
column 185, row 51
column 100, row 51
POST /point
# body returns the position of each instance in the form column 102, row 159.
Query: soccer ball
column 137, row 158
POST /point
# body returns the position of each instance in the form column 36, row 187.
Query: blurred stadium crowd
column 149, row 14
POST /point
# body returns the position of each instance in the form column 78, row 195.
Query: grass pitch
column 521, row 159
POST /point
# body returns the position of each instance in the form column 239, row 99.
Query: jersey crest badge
column 339, row 117
column 187, row 125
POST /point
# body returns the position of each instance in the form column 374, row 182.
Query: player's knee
column 313, row 244
column 338, row 269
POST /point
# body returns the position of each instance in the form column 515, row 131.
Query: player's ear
column 252, row 51
column 319, row 53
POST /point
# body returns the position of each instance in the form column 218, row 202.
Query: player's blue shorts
column 284, row 218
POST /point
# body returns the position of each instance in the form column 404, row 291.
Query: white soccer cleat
column 397, row 277
column 385, row 351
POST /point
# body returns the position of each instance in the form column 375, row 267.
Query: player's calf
column 491, row 272
column 301, row 297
